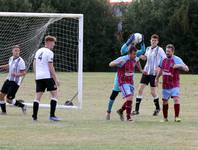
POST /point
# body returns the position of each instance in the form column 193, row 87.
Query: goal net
column 28, row 30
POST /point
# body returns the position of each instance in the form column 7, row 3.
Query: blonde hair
column 50, row 38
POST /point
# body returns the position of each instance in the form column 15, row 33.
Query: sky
column 117, row 1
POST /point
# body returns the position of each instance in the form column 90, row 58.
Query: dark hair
column 155, row 36
column 170, row 46
column 50, row 38
column 132, row 49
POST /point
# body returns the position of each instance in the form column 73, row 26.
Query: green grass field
column 87, row 129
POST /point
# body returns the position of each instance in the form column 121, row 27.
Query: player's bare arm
column 4, row 66
column 53, row 73
column 158, row 75
column 20, row 74
column 34, row 66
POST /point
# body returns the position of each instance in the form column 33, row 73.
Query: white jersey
column 43, row 57
column 154, row 57
column 15, row 66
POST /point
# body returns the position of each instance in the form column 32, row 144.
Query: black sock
column 156, row 102
column 35, row 109
column 137, row 105
column 19, row 104
column 52, row 108
column 3, row 107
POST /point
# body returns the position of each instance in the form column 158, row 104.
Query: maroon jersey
column 171, row 77
column 126, row 71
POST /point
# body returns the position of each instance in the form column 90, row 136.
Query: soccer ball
column 138, row 37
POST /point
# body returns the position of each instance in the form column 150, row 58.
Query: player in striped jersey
column 116, row 89
column 126, row 66
column 170, row 69
column 154, row 54
column 16, row 67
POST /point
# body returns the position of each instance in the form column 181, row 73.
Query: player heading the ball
column 17, row 70
column 46, row 77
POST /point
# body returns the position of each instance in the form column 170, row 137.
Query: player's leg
column 175, row 96
column 4, row 91
column 129, row 107
column 36, row 105
column 143, row 83
column 51, row 87
column 10, row 98
column 2, row 103
column 155, row 95
column 165, row 97
column 40, row 89
column 112, row 98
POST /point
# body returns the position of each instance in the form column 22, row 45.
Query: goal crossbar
column 80, row 48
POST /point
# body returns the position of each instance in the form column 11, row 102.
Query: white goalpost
column 28, row 30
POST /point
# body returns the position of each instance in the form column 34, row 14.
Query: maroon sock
column 128, row 109
column 123, row 107
column 177, row 109
column 165, row 110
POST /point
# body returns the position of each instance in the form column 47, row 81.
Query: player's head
column 16, row 50
column 170, row 50
column 154, row 40
column 132, row 52
column 50, row 41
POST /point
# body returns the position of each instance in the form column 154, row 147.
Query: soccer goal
column 28, row 30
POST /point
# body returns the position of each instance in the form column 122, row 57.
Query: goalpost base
column 30, row 105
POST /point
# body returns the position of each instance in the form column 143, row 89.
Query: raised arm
column 142, row 50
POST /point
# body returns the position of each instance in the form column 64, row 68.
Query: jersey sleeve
column 178, row 61
column 160, row 63
column 162, row 54
column 120, row 61
column 124, row 49
column 22, row 65
column 147, row 51
column 50, row 57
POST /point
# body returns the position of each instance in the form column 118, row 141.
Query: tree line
column 175, row 21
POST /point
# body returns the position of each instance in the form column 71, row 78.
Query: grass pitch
column 87, row 129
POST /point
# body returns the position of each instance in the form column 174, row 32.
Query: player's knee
column 153, row 93
column 114, row 94
column 129, row 98
column 165, row 102
column 176, row 100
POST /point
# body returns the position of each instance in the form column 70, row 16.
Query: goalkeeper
column 124, row 50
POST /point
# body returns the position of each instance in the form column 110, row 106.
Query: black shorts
column 10, row 88
column 43, row 84
column 146, row 79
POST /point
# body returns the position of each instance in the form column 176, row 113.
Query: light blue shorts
column 127, row 90
column 169, row 93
